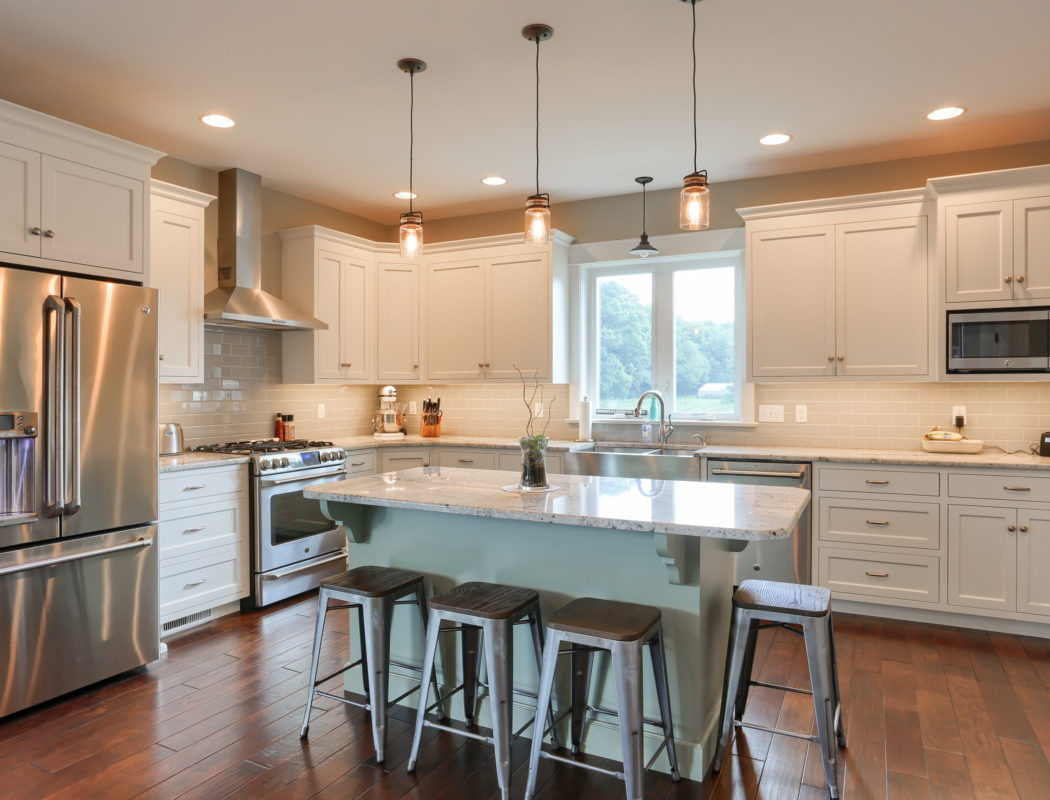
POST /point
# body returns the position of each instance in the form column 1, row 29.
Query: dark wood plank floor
column 931, row 712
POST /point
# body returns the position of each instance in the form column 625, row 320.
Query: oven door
column 289, row 528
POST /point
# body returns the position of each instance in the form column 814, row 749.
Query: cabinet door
column 1032, row 248
column 882, row 305
column 95, row 216
column 979, row 251
column 456, row 320
column 792, row 322
column 355, row 320
column 397, row 321
column 328, row 297
column 982, row 557
column 519, row 317
column 19, row 200
column 1033, row 561
column 176, row 270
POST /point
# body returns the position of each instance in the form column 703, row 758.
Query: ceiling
column 322, row 110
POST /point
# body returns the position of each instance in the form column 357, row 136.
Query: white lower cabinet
column 394, row 459
column 203, row 543
column 914, row 578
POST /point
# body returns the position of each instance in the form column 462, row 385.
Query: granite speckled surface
column 415, row 440
column 986, row 458
column 717, row 510
column 187, row 461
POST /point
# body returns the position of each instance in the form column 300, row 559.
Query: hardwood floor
column 930, row 713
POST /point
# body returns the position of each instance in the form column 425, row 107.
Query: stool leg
column 429, row 651
column 364, row 651
column 656, row 652
column 627, row 671
column 421, row 603
column 536, row 625
column 469, row 644
column 380, row 613
column 745, row 674
column 818, row 655
column 543, row 704
column 322, row 612
column 582, row 662
column 840, row 732
column 739, row 636
column 499, row 660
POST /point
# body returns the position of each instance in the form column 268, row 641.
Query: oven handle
column 305, row 479
column 274, row 576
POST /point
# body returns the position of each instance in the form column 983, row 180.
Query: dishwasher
column 787, row 559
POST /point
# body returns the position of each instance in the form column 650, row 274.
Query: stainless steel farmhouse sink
column 641, row 461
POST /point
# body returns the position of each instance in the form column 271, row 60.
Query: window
column 674, row 324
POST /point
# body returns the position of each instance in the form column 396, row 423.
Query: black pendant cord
column 411, row 133
column 695, row 135
column 537, row 115
column 643, row 211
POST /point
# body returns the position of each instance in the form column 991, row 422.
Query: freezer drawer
column 76, row 612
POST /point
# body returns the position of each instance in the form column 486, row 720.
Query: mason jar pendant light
column 411, row 233
column 538, row 206
column 643, row 248
column 694, row 211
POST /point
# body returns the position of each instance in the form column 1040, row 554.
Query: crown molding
column 180, row 193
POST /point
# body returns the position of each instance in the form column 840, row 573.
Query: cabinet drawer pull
column 466, row 461
column 357, row 463
column 194, row 487
column 877, row 482
column 876, row 574
column 345, row 364
column 1017, row 488
column 877, row 521
column 198, row 529
column 194, row 583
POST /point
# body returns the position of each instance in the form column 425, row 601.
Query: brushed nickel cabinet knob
column 1008, row 279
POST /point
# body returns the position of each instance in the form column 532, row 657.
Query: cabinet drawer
column 403, row 458
column 906, row 577
column 191, row 530
column 510, row 460
column 467, row 458
column 214, row 580
column 361, row 463
column 999, row 487
column 196, row 484
column 880, row 522
column 883, row 481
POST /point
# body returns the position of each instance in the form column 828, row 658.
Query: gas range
column 270, row 456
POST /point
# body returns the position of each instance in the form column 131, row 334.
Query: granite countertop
column 186, row 461
column 415, row 440
column 716, row 510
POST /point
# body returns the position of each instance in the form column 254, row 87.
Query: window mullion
column 663, row 334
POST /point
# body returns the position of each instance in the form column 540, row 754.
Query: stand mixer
column 389, row 420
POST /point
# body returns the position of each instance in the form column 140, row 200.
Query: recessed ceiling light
column 218, row 121
column 405, row 195
column 493, row 180
column 948, row 112
column 775, row 138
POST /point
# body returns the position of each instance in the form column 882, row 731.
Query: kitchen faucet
column 666, row 429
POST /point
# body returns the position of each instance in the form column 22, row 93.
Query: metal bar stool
column 785, row 604
column 373, row 591
column 623, row 629
column 491, row 611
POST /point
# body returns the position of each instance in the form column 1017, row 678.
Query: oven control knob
column 342, row 453
column 284, row 461
column 324, row 456
column 264, row 465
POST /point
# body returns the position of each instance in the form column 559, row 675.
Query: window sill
column 678, row 423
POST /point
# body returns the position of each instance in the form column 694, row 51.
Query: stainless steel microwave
column 999, row 340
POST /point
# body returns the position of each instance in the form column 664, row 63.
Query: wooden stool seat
column 791, row 598
column 485, row 600
column 371, row 581
column 607, row 619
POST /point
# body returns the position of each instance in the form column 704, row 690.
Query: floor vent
column 182, row 622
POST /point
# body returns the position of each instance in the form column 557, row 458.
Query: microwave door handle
column 54, row 473
column 73, row 309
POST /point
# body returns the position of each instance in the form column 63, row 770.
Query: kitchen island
column 664, row 543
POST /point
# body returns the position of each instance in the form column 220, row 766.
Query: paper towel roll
column 585, row 421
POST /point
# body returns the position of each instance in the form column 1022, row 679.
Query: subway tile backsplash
column 242, row 391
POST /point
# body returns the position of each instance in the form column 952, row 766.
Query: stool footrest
column 554, row 757
column 807, row 737
column 346, row 700
column 327, row 678
column 611, row 713
column 782, row 688
column 448, row 728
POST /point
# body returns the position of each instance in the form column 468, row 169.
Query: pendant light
column 538, row 206
column 643, row 248
column 694, row 212
column 411, row 229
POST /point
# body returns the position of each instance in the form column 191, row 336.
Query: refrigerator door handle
column 70, row 507
column 50, row 562
column 54, row 468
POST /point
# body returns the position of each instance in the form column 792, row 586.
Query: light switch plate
column 801, row 414
column 412, row 407
column 320, row 410
column 958, row 411
column 771, row 413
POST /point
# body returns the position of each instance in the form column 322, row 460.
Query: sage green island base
column 634, row 541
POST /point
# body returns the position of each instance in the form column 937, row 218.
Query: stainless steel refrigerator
column 78, row 483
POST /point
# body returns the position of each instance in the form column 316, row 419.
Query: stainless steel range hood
column 240, row 299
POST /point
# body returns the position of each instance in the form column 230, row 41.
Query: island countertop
column 686, row 508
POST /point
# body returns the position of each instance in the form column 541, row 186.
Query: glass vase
column 534, row 463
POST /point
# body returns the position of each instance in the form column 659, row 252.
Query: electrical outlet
column 320, row 410
column 771, row 413
column 958, row 411
column 801, row 414
column 412, row 408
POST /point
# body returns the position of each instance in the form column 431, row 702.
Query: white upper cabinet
column 455, row 340
column 518, row 328
column 397, row 320
column 177, row 272
column 978, row 246
column 71, row 198
column 1032, row 248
